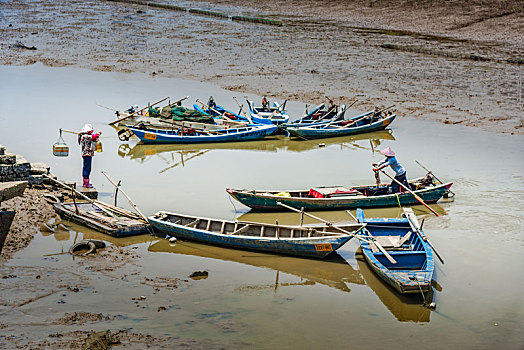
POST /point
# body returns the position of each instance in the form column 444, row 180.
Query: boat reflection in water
column 333, row 271
column 141, row 152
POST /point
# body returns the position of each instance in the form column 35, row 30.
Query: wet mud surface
column 339, row 49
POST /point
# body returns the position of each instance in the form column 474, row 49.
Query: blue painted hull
column 323, row 131
column 315, row 247
column 227, row 135
column 415, row 265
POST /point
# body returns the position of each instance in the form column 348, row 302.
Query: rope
column 398, row 200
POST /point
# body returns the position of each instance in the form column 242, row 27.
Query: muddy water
column 264, row 301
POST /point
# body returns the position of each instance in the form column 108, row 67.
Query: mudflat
column 456, row 62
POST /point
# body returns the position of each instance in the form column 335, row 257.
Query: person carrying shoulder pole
column 87, row 141
column 400, row 172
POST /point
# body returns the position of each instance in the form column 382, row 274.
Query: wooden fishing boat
column 315, row 241
column 275, row 114
column 341, row 197
column 124, row 223
column 189, row 135
column 320, row 115
column 363, row 123
column 413, row 268
column 219, row 111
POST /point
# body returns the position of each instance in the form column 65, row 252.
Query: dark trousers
column 395, row 187
column 86, row 170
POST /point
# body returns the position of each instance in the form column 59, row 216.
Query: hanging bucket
column 60, row 149
column 98, row 146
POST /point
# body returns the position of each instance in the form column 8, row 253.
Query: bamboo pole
column 125, row 195
column 140, row 110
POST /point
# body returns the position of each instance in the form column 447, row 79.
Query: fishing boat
column 275, row 114
column 341, row 197
column 219, row 112
column 315, row 241
column 360, row 124
column 121, row 223
column 413, row 268
column 320, row 115
column 191, row 135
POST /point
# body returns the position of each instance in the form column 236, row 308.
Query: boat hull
column 262, row 202
column 320, row 132
column 318, row 247
column 229, row 135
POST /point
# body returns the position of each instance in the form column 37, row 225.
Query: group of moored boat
column 209, row 123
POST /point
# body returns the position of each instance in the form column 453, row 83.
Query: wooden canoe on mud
column 413, row 268
column 125, row 223
column 316, row 241
column 340, row 197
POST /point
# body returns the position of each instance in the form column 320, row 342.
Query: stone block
column 7, row 158
column 48, row 181
column 21, row 169
column 39, row 169
column 91, row 193
column 35, row 179
column 10, row 190
column 6, row 169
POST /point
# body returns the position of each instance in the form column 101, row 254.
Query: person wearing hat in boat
column 87, row 141
column 211, row 102
column 400, row 172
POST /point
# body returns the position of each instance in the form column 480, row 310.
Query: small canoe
column 315, row 241
column 319, row 116
column 413, row 270
column 364, row 123
column 190, row 135
column 268, row 115
column 124, row 224
column 341, row 197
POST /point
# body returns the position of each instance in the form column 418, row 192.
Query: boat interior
column 254, row 229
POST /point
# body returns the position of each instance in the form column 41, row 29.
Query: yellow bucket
column 98, row 146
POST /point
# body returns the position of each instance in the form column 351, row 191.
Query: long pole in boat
column 134, row 113
column 386, row 254
column 125, row 195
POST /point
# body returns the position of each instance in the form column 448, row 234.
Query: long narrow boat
column 413, row 270
column 366, row 122
column 268, row 115
column 189, row 135
column 319, row 116
column 341, row 197
column 315, row 241
column 125, row 223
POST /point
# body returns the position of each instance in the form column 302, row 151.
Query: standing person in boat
column 87, row 141
column 400, row 172
column 265, row 103
column 211, row 102
column 332, row 106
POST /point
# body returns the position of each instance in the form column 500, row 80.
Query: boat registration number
column 150, row 136
column 323, row 247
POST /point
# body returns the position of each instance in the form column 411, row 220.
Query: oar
column 248, row 116
column 125, row 195
column 413, row 222
column 279, row 109
column 223, row 115
column 132, row 114
column 334, row 119
column 410, row 191
column 386, row 254
column 83, row 196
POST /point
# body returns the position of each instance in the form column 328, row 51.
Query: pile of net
column 179, row 113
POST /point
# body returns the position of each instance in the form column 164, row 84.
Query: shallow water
column 266, row 301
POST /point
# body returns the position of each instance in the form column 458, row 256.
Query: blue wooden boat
column 275, row 114
column 315, row 241
column 341, row 197
column 190, row 135
column 218, row 111
column 413, row 270
column 366, row 122
column 319, row 116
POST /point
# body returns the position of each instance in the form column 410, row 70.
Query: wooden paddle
column 334, row 119
column 410, row 191
column 386, row 254
column 135, row 112
column 431, row 172
column 413, row 222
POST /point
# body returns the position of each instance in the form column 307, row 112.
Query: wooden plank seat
column 391, row 242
